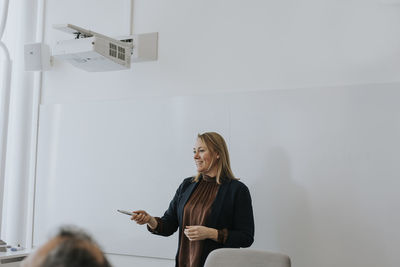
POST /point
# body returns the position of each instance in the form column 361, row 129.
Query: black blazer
column 231, row 209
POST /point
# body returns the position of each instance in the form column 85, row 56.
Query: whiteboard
column 321, row 165
column 96, row 158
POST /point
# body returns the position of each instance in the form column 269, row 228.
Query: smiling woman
column 211, row 210
column 212, row 157
column 204, row 158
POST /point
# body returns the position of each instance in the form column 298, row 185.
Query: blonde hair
column 216, row 144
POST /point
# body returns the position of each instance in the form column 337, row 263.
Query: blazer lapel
column 185, row 197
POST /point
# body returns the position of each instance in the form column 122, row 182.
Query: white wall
column 231, row 45
column 225, row 46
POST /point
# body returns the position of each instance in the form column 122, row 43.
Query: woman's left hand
column 198, row 232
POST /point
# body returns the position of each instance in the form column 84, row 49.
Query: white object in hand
column 127, row 212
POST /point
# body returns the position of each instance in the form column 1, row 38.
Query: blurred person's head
column 69, row 248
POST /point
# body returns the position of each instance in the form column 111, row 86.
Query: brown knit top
column 196, row 212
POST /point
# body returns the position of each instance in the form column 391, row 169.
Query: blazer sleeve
column 242, row 232
column 169, row 223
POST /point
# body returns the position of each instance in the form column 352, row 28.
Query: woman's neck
column 211, row 173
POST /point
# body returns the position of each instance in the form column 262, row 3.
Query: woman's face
column 204, row 158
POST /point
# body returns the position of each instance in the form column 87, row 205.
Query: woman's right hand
column 142, row 217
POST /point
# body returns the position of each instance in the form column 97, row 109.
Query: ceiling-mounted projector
column 92, row 51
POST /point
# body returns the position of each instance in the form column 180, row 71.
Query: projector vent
column 121, row 53
column 113, row 50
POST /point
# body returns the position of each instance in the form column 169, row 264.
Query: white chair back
column 233, row 257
